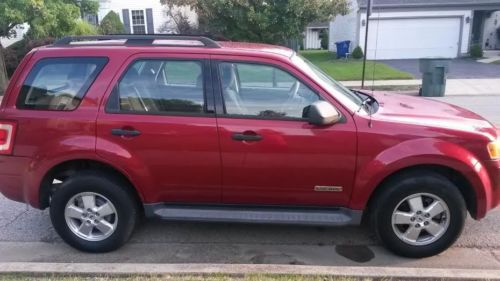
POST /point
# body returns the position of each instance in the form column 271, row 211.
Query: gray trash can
column 433, row 76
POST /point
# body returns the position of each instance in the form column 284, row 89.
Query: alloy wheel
column 91, row 216
column 421, row 219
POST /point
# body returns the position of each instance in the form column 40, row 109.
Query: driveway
column 459, row 68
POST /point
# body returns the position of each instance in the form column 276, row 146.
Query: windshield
column 345, row 96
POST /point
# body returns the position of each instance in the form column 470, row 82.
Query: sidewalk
column 454, row 87
column 490, row 56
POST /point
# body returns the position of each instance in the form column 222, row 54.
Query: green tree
column 12, row 14
column 89, row 7
column 56, row 19
column 84, row 28
column 111, row 24
column 46, row 18
column 269, row 21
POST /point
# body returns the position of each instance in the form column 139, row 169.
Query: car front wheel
column 419, row 214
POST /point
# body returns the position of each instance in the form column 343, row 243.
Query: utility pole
column 368, row 14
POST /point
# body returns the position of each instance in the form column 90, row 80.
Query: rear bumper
column 13, row 177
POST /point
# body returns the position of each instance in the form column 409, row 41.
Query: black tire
column 399, row 188
column 113, row 189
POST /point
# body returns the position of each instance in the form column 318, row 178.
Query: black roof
column 429, row 3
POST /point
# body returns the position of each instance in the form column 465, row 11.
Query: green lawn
column 352, row 69
column 496, row 62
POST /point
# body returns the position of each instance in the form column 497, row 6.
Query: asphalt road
column 26, row 235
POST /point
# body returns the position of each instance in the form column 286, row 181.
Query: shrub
column 11, row 60
column 111, row 24
column 16, row 52
column 476, row 51
column 324, row 39
column 357, row 53
column 84, row 28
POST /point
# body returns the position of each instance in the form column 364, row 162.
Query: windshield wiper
column 366, row 104
column 367, row 101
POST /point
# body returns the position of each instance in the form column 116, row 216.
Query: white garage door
column 413, row 38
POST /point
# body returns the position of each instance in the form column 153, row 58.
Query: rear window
column 59, row 83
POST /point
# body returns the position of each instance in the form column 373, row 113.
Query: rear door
column 159, row 125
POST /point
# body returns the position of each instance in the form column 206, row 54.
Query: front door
column 159, row 125
column 271, row 155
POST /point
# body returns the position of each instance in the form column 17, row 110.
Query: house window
column 92, row 19
column 138, row 22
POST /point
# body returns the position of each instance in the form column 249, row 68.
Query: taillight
column 7, row 133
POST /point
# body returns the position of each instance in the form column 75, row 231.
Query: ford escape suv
column 105, row 129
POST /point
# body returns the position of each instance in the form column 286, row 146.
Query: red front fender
column 417, row 152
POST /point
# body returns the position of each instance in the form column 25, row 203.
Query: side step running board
column 276, row 215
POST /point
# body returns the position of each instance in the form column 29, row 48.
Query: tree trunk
column 3, row 72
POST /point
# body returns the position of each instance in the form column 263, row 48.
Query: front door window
column 263, row 91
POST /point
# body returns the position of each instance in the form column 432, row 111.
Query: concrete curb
column 240, row 269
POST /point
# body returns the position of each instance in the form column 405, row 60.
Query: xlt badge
column 328, row 188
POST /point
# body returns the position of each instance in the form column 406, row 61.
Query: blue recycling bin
column 342, row 48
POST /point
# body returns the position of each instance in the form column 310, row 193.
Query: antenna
column 375, row 55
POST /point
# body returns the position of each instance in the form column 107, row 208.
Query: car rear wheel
column 419, row 214
column 93, row 212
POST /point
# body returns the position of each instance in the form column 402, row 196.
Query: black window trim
column 113, row 107
column 90, row 82
column 220, row 107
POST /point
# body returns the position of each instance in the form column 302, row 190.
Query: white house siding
column 491, row 24
column 158, row 11
column 433, row 16
column 344, row 28
column 311, row 39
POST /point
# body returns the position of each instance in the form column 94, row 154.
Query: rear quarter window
column 59, row 83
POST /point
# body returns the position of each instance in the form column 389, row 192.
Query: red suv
column 105, row 129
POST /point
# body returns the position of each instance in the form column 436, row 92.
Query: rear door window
column 160, row 86
column 59, row 83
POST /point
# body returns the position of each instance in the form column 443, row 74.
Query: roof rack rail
column 141, row 39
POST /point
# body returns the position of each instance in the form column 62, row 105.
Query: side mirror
column 322, row 113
